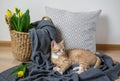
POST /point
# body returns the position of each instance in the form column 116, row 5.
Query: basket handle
column 47, row 18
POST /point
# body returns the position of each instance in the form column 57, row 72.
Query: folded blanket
column 41, row 68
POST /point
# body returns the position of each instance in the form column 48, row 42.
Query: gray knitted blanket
column 41, row 68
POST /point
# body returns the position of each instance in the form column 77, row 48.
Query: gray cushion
column 77, row 28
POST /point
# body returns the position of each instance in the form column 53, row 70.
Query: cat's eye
column 58, row 49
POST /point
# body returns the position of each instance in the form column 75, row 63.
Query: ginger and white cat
column 63, row 59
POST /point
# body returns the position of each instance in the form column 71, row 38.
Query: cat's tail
column 98, row 62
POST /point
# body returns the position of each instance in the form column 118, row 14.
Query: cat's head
column 57, row 48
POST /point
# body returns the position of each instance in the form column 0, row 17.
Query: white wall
column 108, row 27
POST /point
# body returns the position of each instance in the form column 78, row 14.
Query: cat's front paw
column 58, row 70
column 78, row 70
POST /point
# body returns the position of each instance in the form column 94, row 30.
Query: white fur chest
column 55, row 56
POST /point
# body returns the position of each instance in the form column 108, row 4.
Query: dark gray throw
column 41, row 68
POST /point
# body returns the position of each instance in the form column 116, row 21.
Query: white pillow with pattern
column 78, row 28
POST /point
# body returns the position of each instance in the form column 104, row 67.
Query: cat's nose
column 61, row 50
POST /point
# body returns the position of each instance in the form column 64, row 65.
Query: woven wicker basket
column 21, row 45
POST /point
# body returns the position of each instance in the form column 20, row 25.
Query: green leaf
column 17, row 11
column 26, row 21
column 13, row 22
column 24, row 69
column 20, row 24
column 19, row 68
column 23, row 22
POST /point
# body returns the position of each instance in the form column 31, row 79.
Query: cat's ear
column 62, row 42
column 53, row 43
